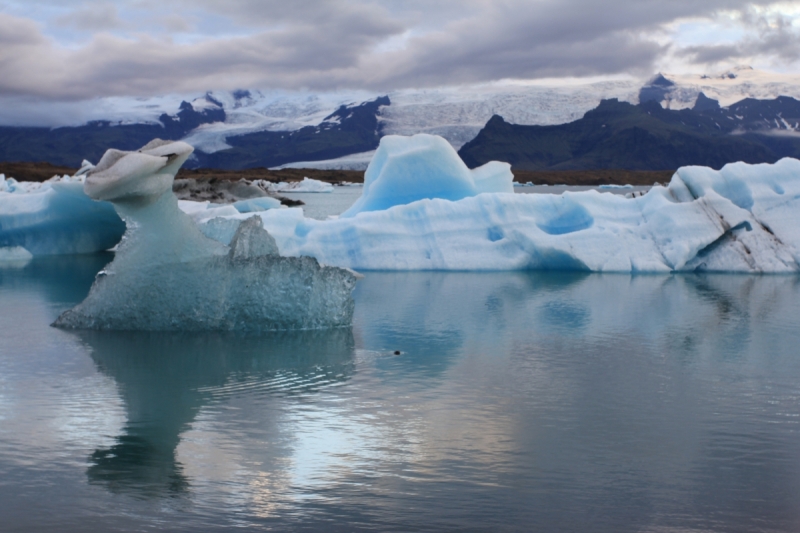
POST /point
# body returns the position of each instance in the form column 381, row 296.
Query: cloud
column 99, row 16
column 771, row 35
column 149, row 47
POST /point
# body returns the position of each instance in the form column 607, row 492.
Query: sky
column 69, row 50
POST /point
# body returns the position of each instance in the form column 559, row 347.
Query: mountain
column 348, row 130
column 68, row 146
column 646, row 137
column 242, row 128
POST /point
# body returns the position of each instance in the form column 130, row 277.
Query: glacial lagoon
column 519, row 401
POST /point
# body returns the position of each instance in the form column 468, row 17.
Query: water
column 322, row 205
column 518, row 402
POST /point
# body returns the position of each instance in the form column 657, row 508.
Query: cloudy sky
column 75, row 50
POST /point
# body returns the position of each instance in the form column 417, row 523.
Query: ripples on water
column 519, row 402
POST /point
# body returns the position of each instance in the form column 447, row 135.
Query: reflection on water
column 164, row 379
column 59, row 279
column 518, row 401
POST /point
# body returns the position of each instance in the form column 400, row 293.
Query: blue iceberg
column 407, row 169
column 167, row 275
column 53, row 219
column 419, row 211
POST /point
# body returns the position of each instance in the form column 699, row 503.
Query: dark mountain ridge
column 350, row 129
column 646, row 137
column 68, row 146
column 614, row 135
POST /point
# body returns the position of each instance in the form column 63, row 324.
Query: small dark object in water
column 397, row 352
column 289, row 202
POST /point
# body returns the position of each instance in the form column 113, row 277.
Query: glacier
column 742, row 218
column 167, row 275
column 407, row 169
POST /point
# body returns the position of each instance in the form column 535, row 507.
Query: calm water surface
column 519, row 402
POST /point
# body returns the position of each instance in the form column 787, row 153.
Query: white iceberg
column 407, row 169
column 743, row 218
column 168, row 276
column 305, row 185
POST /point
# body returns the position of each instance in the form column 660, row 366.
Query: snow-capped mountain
column 728, row 87
column 459, row 113
column 224, row 125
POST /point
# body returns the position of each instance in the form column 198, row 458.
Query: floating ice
column 55, row 217
column 407, row 169
column 220, row 190
column 257, row 204
column 8, row 184
column 306, row 185
column 14, row 256
column 743, row 218
column 168, row 276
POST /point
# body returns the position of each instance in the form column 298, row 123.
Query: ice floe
column 407, row 169
column 305, row 185
column 56, row 217
column 422, row 209
column 743, row 218
column 53, row 218
column 167, row 275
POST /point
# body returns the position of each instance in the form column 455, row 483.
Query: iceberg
column 167, row 275
column 742, row 218
column 254, row 205
column 56, row 217
column 224, row 191
column 421, row 208
column 407, row 169
column 53, row 218
column 306, row 185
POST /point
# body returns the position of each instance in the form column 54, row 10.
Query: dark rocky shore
column 44, row 171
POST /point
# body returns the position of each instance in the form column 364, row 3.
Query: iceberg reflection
column 165, row 379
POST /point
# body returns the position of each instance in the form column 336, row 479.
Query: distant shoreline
column 44, row 171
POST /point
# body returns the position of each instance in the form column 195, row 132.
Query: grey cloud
column 175, row 24
column 775, row 37
column 332, row 44
column 18, row 33
column 99, row 16
column 710, row 54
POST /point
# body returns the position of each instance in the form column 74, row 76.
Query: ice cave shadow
column 164, row 379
